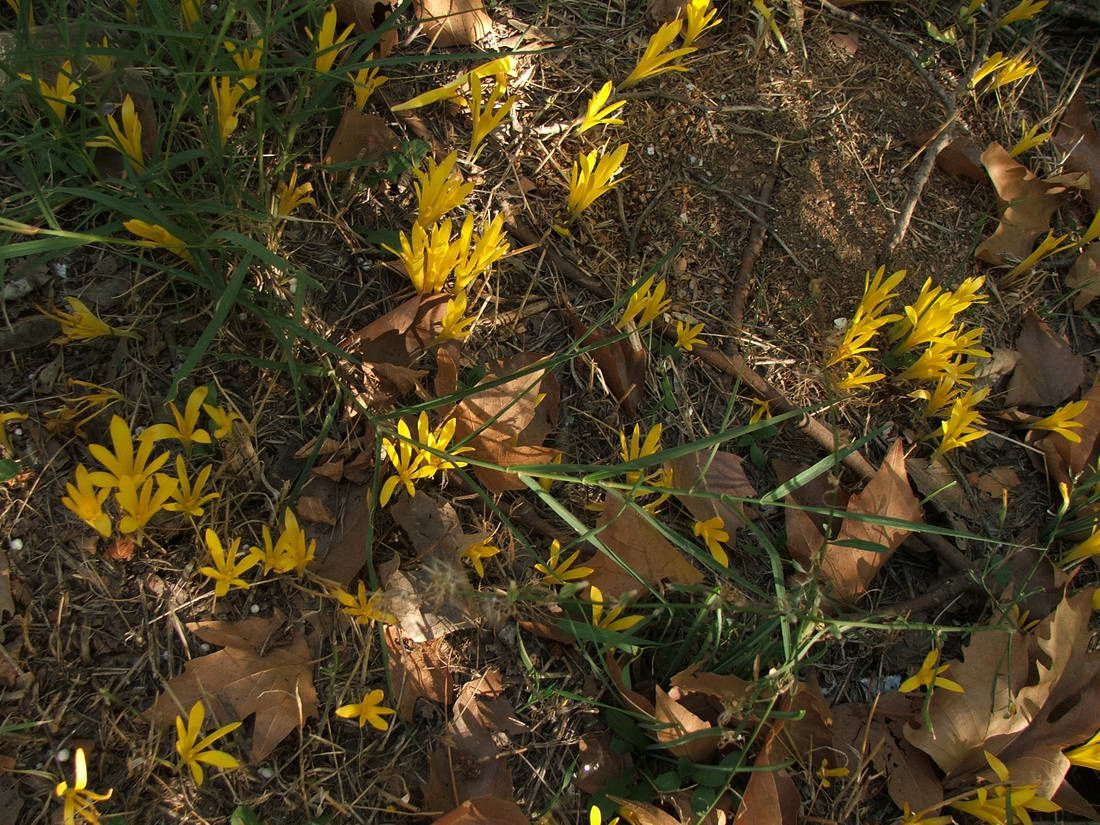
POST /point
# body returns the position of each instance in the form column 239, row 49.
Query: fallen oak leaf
column 622, row 362
column 717, row 473
column 1048, row 371
column 680, row 723
column 360, row 137
column 1077, row 137
column 314, row 509
column 417, row 671
column 770, row 797
column 368, row 16
column 1084, row 276
column 401, row 334
column 453, row 22
column 641, row 813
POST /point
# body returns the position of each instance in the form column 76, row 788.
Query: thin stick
column 939, row 593
column 743, row 282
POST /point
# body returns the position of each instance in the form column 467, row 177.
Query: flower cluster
column 419, row 459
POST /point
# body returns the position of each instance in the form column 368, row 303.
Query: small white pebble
column 254, row 609
column 17, row 430
column 63, row 755
column 15, row 544
column 267, row 773
column 649, row 150
column 139, row 429
column 693, row 160
column 204, row 647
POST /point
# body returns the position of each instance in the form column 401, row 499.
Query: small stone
column 15, row 545
column 63, row 755
column 204, row 647
column 649, row 150
column 267, row 773
column 254, row 609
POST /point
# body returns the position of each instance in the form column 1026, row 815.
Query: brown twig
column 939, row 593
column 743, row 282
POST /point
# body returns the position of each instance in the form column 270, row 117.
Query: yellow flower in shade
column 938, row 401
column 599, row 112
column 192, row 750
column 646, row 303
column 222, row 420
column 699, row 17
column 227, row 570
column 592, row 176
column 931, row 317
column 140, row 504
column 1024, row 10
column 366, row 81
column 1086, row 755
column 438, row 439
column 961, row 428
column 868, row 317
column 439, row 189
column 859, row 376
column 929, row 676
column 369, row 710
column 326, row 43
column 186, row 430
column 406, row 460
column 132, row 10
column 125, row 134
column 1002, row 71
column 824, row 773
column 363, row 607
column 1048, row 246
column 1086, row 549
column 636, row 448
column 1005, row 803
column 1093, row 232
column 688, row 335
column 17, row 7
column 292, row 194
column 190, row 13
column 5, row 439
column 1062, row 421
column 1029, row 139
column 713, row 533
column 61, row 93
column 228, row 96
column 613, row 620
column 498, row 68
column 558, row 570
column 124, row 462
column 490, row 246
column 455, row 324
column 944, row 356
column 483, row 116
column 911, row 817
column 86, row 503
column 655, row 60
column 103, row 63
column 477, row 551
column 762, row 409
column 79, row 801
column 157, row 237
column 187, row 497
column 78, row 410
column 292, row 550
column 248, row 60
column 80, row 324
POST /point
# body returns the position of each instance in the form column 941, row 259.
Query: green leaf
column 9, row 469
column 243, row 816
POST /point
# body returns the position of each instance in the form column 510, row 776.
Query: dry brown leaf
column 417, row 670
column 1067, row 460
column 408, row 597
column 368, row 16
column 1028, row 205
column 679, row 722
column 401, row 334
column 314, row 509
column 640, row 813
column 333, row 470
column 771, row 797
column 340, row 558
column 804, row 532
column 432, row 525
column 329, row 446
column 264, row 668
column 641, row 547
column 1077, row 136
column 1048, row 371
column 961, row 157
column 598, row 763
column 729, row 690
column 663, row 11
column 1084, row 276
column 360, row 137
column 485, row 810
column 996, row 483
column 120, row 548
column 638, row 702
column 937, row 482
column 453, row 22
column 717, row 473
column 622, row 363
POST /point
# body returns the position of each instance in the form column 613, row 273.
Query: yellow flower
column 125, row 138
column 227, row 100
column 140, row 504
column 499, row 68
column 1062, row 421
column 455, row 324
column 700, row 17
column 910, row 817
column 559, row 571
column 477, row 551
column 932, row 315
column 292, row 194
column 190, row 13
column 326, row 44
column 63, row 91
column 187, row 497
column 103, row 63
column 1093, row 232
column 437, row 439
column 439, row 190
column 1007, row 803
column 824, row 772
column 363, row 608
column 655, row 60
column 123, row 462
column 81, row 324
column 186, row 429
column 1024, row 10
column 1089, row 547
column 1029, row 139
column 614, row 620
column 859, row 376
column 490, row 246
column 88, row 406
column 5, row 439
column 366, row 81
column 157, row 237
column 292, row 550
column 944, row 356
column 1002, row 71
column 929, row 676
column 86, row 503
column 192, row 751
column 868, row 317
column 599, row 112
column 429, row 260
column 714, row 535
column 688, row 335
column 763, row 408
column 369, row 710
column 646, row 303
column 1086, row 755
column 248, row 60
column 767, row 17
column 79, row 801
column 960, row 427
column 406, row 460
column 591, row 177
column 938, row 401
column 483, row 116
column 636, row 448
column 1050, row 244
column 222, row 420
column 226, row 571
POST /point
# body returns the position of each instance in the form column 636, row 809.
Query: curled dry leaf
column 598, row 763
column 1028, row 203
column 622, row 363
column 361, row 136
column 1084, row 276
column 961, row 157
column 641, row 813
column 678, row 723
column 341, row 556
column 937, row 482
column 485, row 810
column 771, row 797
column 1048, row 371
column 413, row 597
column 716, row 473
column 453, row 22
column 264, row 668
column 997, row 482
column 432, row 525
column 314, row 509
column 1077, row 136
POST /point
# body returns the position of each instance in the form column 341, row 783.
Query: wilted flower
column 824, row 773
column 157, row 237
column 1048, row 246
column 326, row 44
column 81, row 324
column 762, row 407
column 499, row 68
column 222, row 420
column 366, row 82
column 192, row 751
column 592, row 176
column 369, row 710
column 190, row 13
column 599, row 112
column 655, row 60
column 125, row 138
column 59, row 95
